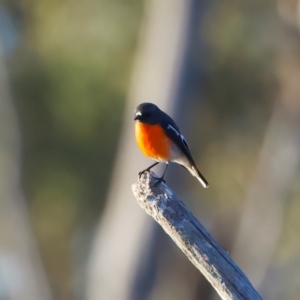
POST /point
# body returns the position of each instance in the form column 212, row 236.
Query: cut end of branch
column 148, row 194
column 146, row 184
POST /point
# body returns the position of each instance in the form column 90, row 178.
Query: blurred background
column 71, row 74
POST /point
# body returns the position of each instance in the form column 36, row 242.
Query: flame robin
column 159, row 138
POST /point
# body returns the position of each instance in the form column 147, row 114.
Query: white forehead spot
column 138, row 114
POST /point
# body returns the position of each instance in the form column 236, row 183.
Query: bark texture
column 193, row 239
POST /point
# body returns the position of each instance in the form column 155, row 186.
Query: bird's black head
column 146, row 113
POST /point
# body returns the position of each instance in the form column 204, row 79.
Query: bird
column 159, row 138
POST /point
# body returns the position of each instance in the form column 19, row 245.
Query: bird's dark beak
column 136, row 118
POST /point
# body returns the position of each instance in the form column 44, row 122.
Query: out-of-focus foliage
column 239, row 90
column 70, row 76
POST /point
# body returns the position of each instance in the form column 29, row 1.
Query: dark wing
column 173, row 132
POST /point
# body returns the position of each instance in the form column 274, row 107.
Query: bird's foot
column 142, row 172
column 159, row 180
column 148, row 169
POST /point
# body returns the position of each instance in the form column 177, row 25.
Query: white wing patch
column 181, row 137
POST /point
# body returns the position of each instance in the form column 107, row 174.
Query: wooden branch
column 193, row 239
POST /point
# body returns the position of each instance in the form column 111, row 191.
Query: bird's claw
column 159, row 180
column 142, row 172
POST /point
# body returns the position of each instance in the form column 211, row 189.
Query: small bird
column 159, row 138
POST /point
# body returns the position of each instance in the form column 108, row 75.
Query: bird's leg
column 148, row 169
column 161, row 179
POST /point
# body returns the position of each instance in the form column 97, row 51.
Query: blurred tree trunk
column 21, row 272
column 267, row 194
column 264, row 205
column 128, row 244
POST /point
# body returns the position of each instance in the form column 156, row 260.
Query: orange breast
column 152, row 141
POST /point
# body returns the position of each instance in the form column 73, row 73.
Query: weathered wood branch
column 193, row 239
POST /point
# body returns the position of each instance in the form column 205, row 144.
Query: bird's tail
column 195, row 172
column 190, row 165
